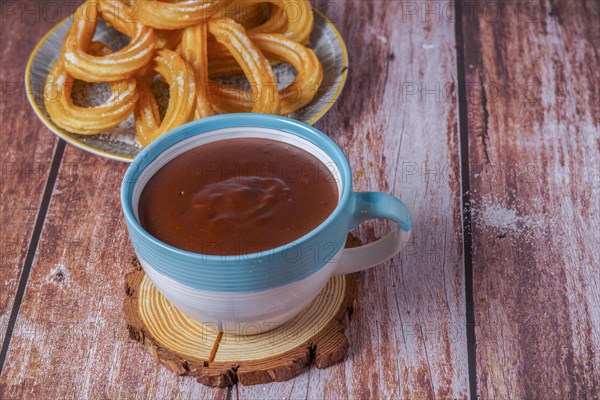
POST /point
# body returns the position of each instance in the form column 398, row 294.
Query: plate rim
column 90, row 149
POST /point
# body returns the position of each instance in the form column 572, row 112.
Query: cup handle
column 370, row 205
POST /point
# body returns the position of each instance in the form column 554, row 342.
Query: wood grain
column 534, row 153
column 27, row 148
column 407, row 337
column 71, row 340
column 220, row 359
column 533, row 90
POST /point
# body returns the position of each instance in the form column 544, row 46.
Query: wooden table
column 483, row 117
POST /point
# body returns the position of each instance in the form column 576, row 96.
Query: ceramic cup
column 270, row 287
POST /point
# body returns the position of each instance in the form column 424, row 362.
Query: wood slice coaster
column 220, row 359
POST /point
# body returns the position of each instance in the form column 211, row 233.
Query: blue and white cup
column 270, row 287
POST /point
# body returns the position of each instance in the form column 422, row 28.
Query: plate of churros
column 117, row 74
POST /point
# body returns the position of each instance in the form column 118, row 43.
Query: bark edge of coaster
column 327, row 346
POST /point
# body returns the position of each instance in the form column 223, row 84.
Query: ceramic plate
column 120, row 143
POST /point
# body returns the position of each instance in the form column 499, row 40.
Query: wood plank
column 407, row 337
column 71, row 339
column 533, row 93
column 27, row 146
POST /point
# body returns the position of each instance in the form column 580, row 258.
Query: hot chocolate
column 237, row 196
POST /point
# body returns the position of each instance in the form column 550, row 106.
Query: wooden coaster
column 220, row 359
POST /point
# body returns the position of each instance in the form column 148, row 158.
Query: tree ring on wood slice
column 219, row 359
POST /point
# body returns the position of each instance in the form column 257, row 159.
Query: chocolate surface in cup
column 237, row 196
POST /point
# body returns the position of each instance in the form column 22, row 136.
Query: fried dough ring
column 248, row 19
column 165, row 15
column 293, row 18
column 233, row 9
column 274, row 24
column 86, row 120
column 180, row 77
column 275, row 21
column 121, row 14
column 112, row 67
column 295, row 96
column 296, row 27
column 194, row 50
column 300, row 26
column 227, row 66
column 254, row 64
column 168, row 39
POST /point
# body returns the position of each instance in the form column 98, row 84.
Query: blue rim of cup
column 250, row 120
